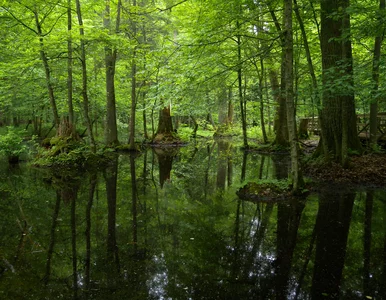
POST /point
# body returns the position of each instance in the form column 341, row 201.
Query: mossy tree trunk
column 165, row 127
column 339, row 131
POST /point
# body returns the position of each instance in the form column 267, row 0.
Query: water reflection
column 168, row 225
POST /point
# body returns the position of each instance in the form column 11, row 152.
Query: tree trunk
column 195, row 124
column 240, row 89
column 133, row 86
column 47, row 70
column 86, row 103
column 230, row 108
column 375, row 76
column 69, row 66
column 280, row 122
column 165, row 133
column 339, row 131
column 111, row 137
column 262, row 122
column 297, row 178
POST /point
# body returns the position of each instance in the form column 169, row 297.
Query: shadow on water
column 168, row 225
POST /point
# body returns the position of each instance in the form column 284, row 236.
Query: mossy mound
column 164, row 139
column 265, row 191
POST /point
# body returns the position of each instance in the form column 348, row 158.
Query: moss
column 265, row 191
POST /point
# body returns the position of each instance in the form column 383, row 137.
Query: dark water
column 168, row 225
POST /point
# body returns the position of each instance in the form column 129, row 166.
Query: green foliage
column 12, row 144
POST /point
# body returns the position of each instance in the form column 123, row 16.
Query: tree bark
column 339, row 131
column 296, row 174
column 86, row 102
column 165, row 128
column 133, row 87
column 43, row 57
column 240, row 89
column 262, row 122
column 69, row 66
column 375, row 77
column 111, row 134
column 280, row 122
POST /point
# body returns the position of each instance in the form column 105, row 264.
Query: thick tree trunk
column 165, row 133
column 111, row 134
column 280, row 122
column 339, row 129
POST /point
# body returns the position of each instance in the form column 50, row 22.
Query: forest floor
column 366, row 170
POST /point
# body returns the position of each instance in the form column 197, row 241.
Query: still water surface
column 168, row 225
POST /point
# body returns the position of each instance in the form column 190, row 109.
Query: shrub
column 12, row 144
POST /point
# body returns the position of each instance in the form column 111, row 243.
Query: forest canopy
column 108, row 70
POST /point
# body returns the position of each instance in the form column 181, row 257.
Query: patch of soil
column 368, row 169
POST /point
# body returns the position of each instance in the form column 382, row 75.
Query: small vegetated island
column 80, row 81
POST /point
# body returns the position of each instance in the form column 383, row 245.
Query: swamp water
column 168, row 225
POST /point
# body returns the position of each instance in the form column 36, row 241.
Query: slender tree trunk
column 69, row 66
column 47, row 70
column 145, row 134
column 111, row 137
column 280, row 122
column 230, row 108
column 240, row 89
column 375, row 76
column 315, row 90
column 297, row 178
column 133, row 86
column 86, row 102
column 262, row 122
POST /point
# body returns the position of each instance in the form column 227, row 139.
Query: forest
column 134, row 72
column 107, row 70
column 192, row 149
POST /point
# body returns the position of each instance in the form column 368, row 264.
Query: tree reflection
column 288, row 219
column 332, row 223
column 113, row 266
column 165, row 161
